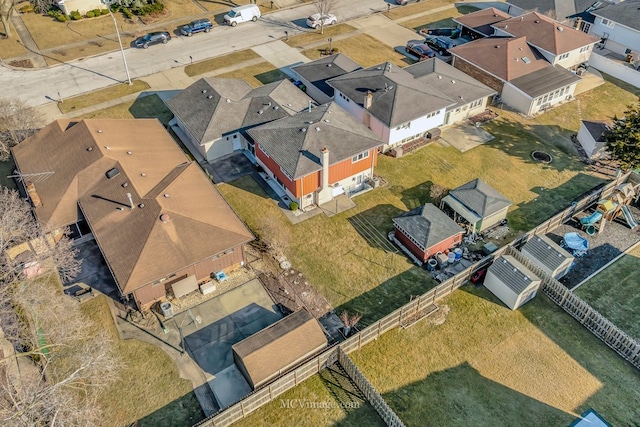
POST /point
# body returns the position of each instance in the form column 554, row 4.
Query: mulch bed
column 484, row 117
column 22, row 63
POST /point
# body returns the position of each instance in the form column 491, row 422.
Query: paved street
column 38, row 87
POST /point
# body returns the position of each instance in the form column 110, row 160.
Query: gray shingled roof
column 427, row 225
column 545, row 80
column 455, row 84
column 319, row 71
column 397, row 96
column 514, row 275
column 549, row 7
column 298, row 152
column 211, row 107
column 597, row 129
column 480, row 197
column 626, row 13
column 546, row 252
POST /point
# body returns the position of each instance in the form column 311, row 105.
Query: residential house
column 591, row 137
column 317, row 155
column 127, row 184
column 469, row 95
column 479, row 204
column 82, row 6
column 269, row 353
column 314, row 75
column 480, row 23
column 212, row 115
column 557, row 43
column 426, row 230
column 571, row 12
column 618, row 26
column 548, row 255
column 510, row 281
column 391, row 102
column 518, row 72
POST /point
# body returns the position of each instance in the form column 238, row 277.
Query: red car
column 478, row 276
column 420, row 49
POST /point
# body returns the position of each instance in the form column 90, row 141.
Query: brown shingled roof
column 482, row 20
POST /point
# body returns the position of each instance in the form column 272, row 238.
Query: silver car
column 316, row 20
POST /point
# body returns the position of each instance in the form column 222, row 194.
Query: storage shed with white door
column 548, row 255
column 510, row 281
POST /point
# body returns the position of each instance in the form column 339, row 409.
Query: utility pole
column 124, row 59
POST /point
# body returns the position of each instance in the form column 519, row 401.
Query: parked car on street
column 196, row 26
column 240, row 14
column 404, row 2
column 420, row 49
column 440, row 44
column 152, row 38
column 452, row 33
column 316, row 20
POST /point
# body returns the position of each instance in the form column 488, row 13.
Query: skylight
column 526, row 60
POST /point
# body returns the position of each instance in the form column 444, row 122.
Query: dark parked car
column 420, row 49
column 404, row 2
column 440, row 44
column 153, row 38
column 196, row 26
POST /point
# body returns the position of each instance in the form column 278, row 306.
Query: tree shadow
column 184, row 411
column 374, row 224
column 270, row 76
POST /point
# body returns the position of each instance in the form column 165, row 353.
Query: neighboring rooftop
column 397, row 97
column 480, row 197
column 428, row 225
column 505, row 57
column 295, row 143
column 558, row 10
column 545, row 80
column 513, row 274
column 319, row 71
column 625, row 13
column 545, row 33
column 481, row 20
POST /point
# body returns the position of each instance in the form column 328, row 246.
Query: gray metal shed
column 548, row 255
column 510, row 281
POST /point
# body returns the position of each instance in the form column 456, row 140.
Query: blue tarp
column 575, row 242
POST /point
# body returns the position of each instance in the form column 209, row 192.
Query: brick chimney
column 368, row 100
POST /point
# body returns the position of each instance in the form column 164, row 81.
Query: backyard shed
column 265, row 354
column 591, row 137
column 548, row 255
column 479, row 204
column 510, row 281
column 426, row 231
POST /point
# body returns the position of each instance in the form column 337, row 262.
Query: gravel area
column 615, row 239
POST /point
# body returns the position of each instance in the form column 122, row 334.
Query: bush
column 293, row 206
column 104, row 11
column 127, row 13
column 150, row 9
column 90, row 14
column 75, row 15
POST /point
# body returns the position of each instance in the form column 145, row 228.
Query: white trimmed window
column 360, row 156
column 563, row 56
column 584, row 49
column 428, row 116
column 475, row 103
column 607, row 23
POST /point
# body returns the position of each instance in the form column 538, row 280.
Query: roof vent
column 560, row 29
column 515, row 269
column 497, row 46
column 112, row 173
column 520, row 48
column 326, row 120
column 506, row 26
column 521, row 18
column 228, row 100
column 303, row 129
column 275, row 107
column 495, row 15
column 143, row 174
column 453, row 82
column 141, row 205
column 120, row 208
column 89, row 148
column 166, row 195
column 106, row 147
column 329, row 65
column 260, row 111
column 125, row 184
column 460, row 96
column 204, row 91
column 209, row 96
column 129, row 152
column 164, row 217
column 537, row 21
column 439, row 77
column 288, row 105
column 99, row 131
column 310, row 122
column 504, row 261
column 317, row 129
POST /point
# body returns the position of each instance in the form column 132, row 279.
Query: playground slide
column 591, row 219
column 631, row 221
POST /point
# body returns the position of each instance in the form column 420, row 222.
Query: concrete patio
column 464, row 137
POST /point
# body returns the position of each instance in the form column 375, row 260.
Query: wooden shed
column 268, row 353
column 548, row 255
column 510, row 281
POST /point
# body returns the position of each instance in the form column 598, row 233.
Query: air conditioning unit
column 167, row 309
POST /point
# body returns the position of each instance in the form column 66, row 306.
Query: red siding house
column 426, row 231
column 317, row 154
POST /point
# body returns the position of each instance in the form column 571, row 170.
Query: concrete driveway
column 230, row 167
column 464, row 137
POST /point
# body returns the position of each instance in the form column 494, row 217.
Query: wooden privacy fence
column 369, row 391
column 580, row 310
column 407, row 312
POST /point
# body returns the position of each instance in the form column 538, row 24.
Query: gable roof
column 427, row 225
column 554, row 9
column 597, row 129
column 512, row 273
column 174, row 204
column 545, row 252
column 319, row 71
column 625, row 13
column 455, row 84
column 482, row 20
column 546, row 33
column 397, row 96
column 480, row 197
column 298, row 151
column 211, row 107
column 502, row 56
column 545, row 80
column 279, row 346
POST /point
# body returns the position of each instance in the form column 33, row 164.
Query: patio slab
column 465, row 137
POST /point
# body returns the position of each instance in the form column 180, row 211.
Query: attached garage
column 218, row 148
column 510, row 281
column 548, row 255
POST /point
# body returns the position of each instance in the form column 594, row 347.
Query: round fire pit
column 542, row 157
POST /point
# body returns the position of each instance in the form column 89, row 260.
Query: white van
column 240, row 14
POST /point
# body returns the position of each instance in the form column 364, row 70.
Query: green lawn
column 615, row 292
column 489, row 366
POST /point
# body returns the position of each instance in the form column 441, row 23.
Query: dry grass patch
column 10, row 48
column 256, row 75
column 398, row 12
column 614, row 293
column 147, row 107
column 313, row 36
column 102, row 95
column 363, row 49
column 149, row 382
column 487, row 365
column 441, row 19
column 220, row 62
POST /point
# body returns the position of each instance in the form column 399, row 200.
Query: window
column 608, row 23
column 584, row 49
column 563, row 56
column 476, row 103
column 404, row 126
column 360, row 156
column 431, row 114
column 457, row 110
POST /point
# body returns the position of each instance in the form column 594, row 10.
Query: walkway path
column 29, row 43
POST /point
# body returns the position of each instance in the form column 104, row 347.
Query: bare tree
column 349, row 321
column 18, row 121
column 437, row 192
column 6, row 10
column 324, row 8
